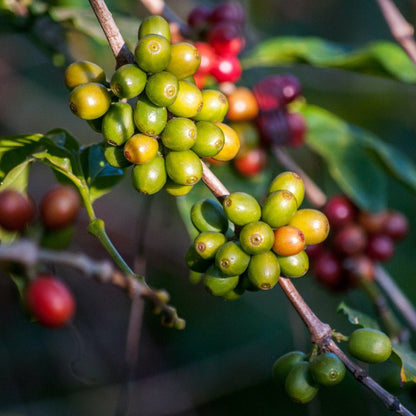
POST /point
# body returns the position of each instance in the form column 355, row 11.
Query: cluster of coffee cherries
column 244, row 245
column 152, row 115
column 47, row 298
column 219, row 33
column 302, row 375
column 359, row 240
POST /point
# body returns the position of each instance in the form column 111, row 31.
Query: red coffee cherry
column 327, row 269
column 372, row 222
column 340, row 211
column 251, row 162
column 380, row 247
column 297, row 129
column 50, row 301
column 231, row 12
column 199, row 16
column 226, row 39
column 396, row 225
column 273, row 127
column 208, row 57
column 16, row 210
column 227, row 68
column 59, row 207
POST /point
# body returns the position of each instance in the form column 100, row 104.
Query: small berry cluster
column 220, row 34
column 302, row 375
column 244, row 245
column 48, row 299
column 359, row 240
column 58, row 210
column 169, row 124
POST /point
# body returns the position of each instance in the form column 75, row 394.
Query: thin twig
column 28, row 254
column 401, row 30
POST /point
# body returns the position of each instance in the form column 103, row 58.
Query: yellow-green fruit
column 140, row 149
column 208, row 215
column 154, row 25
column 231, row 143
column 188, row 102
column 279, row 208
column 299, row 384
column 89, row 101
column 162, row 88
column 150, row 177
column 294, row 266
column 313, row 223
column 217, row 284
column 115, row 156
column 284, row 364
column 208, row 242
column 241, row 208
column 264, row 270
column 184, row 167
column 209, row 139
column 215, row 106
column 83, row 72
column 128, row 81
column 369, row 345
column 152, row 53
column 174, row 189
column 180, row 133
column 289, row 181
column 149, row 118
column 117, row 124
column 184, row 61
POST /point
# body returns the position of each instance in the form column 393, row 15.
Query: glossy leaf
column 406, row 359
column 347, row 156
column 380, row 58
column 356, row 317
column 99, row 175
column 18, row 177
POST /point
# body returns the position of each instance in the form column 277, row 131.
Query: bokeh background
column 221, row 363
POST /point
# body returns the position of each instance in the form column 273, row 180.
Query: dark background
column 221, row 364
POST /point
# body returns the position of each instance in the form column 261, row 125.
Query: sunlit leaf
column 380, row 58
column 406, row 359
column 18, row 177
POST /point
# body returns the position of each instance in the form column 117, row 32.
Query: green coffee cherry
column 241, row 208
column 369, row 345
column 180, row 133
column 299, row 384
column 162, row 88
column 231, row 259
column 152, row 53
column 195, row 262
column 256, row 237
column 115, row 156
column 184, row 167
column 208, row 242
column 150, row 177
column 217, row 284
column 117, row 124
column 215, row 106
column 284, row 364
column 209, row 140
column 174, row 189
column 154, row 25
column 294, row 266
column 184, row 61
column 128, row 81
column 264, row 270
column 188, row 102
column 327, row 369
column 89, row 101
column 208, row 215
column 149, row 118
column 289, row 181
column 83, row 72
column 279, row 208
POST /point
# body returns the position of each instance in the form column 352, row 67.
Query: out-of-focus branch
column 401, row 30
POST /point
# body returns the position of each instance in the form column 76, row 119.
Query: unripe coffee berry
column 288, row 240
column 256, row 237
column 327, row 369
column 313, row 224
column 299, row 384
column 279, row 208
column 208, row 215
column 241, row 208
column 264, row 270
column 140, row 149
column 82, row 72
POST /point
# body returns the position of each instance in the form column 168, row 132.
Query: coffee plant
column 200, row 119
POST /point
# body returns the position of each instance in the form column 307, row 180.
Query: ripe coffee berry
column 340, row 210
column 227, row 68
column 396, row 225
column 50, row 301
column 16, row 210
column 380, row 247
column 59, row 207
column 251, row 162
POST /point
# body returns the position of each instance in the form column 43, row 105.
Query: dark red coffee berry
column 226, row 39
column 273, row 128
column 230, row 12
column 297, row 129
column 16, row 210
column 328, row 270
column 59, row 207
column 199, row 16
column 372, row 222
column 340, row 211
column 396, row 225
column 350, row 239
column 380, row 247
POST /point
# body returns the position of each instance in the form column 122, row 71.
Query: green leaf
column 99, row 174
column 18, row 177
column 406, row 359
column 63, row 139
column 345, row 149
column 380, row 58
column 356, row 317
column 15, row 150
column 84, row 20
